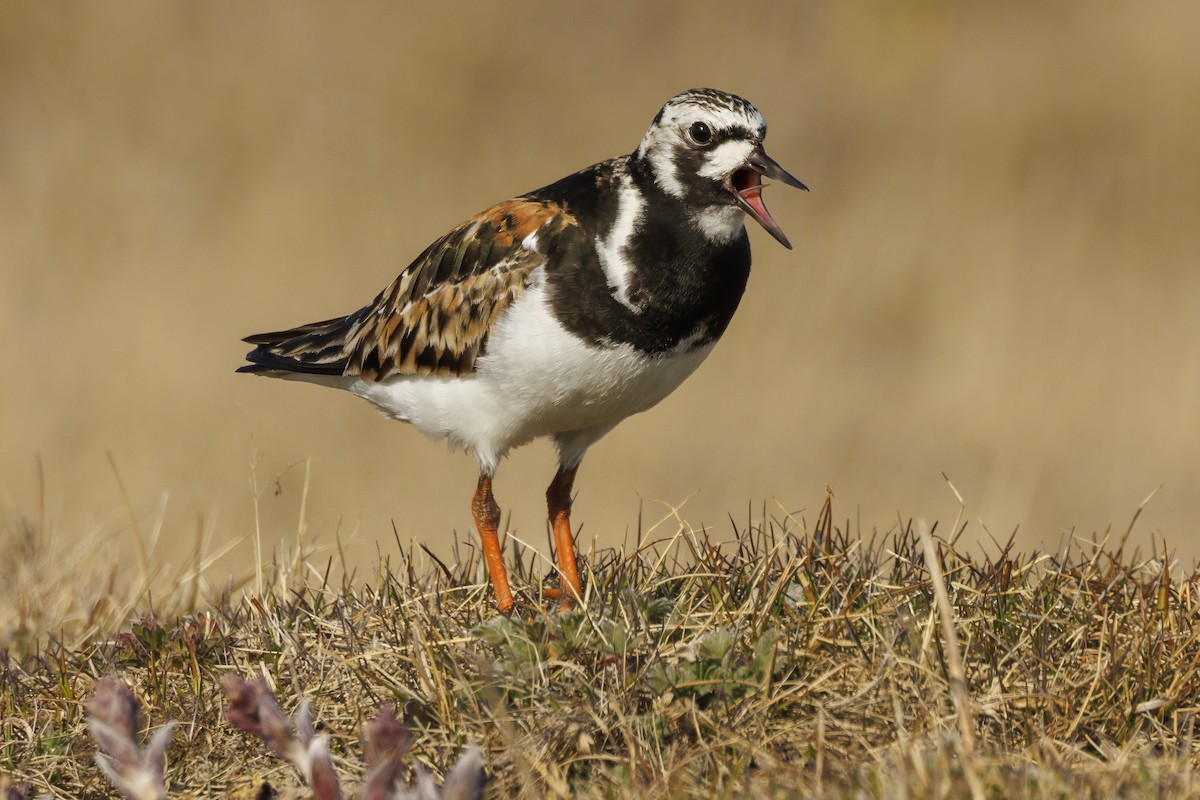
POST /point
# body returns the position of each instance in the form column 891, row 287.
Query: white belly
column 536, row 380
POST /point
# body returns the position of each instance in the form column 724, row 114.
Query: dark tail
column 319, row 348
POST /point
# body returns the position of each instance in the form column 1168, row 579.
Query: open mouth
column 745, row 180
column 745, row 184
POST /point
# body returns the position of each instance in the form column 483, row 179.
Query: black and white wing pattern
column 435, row 317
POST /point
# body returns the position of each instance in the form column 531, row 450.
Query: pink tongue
column 753, row 198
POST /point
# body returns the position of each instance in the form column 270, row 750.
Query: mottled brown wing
column 434, row 319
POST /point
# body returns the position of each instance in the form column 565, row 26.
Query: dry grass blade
column 958, row 680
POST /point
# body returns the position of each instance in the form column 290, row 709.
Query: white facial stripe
column 612, row 249
column 664, row 170
column 725, row 158
column 717, row 118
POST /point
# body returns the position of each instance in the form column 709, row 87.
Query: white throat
column 720, row 224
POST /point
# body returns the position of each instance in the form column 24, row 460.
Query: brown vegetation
column 796, row 660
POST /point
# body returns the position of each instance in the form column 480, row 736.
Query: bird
column 560, row 312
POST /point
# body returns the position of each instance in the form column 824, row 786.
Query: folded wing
column 435, row 317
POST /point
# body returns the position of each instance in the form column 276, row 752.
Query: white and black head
column 705, row 148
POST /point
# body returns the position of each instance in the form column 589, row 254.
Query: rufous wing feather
column 435, row 317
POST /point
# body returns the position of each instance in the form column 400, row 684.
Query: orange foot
column 553, row 591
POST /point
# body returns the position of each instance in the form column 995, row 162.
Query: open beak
column 745, row 184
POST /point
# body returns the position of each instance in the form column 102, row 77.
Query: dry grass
column 798, row 659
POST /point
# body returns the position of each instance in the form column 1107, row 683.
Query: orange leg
column 558, row 501
column 487, row 520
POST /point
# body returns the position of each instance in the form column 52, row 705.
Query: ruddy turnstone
column 559, row 313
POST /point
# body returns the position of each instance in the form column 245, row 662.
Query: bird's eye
column 700, row 133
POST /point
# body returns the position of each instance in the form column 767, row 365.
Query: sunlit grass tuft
column 796, row 658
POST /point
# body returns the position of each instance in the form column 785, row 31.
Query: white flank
column 612, row 250
column 536, row 380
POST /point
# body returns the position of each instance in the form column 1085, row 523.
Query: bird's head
column 705, row 148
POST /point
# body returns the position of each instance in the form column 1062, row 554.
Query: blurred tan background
column 996, row 275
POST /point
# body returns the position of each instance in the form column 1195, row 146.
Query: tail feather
column 319, row 348
column 264, row 361
column 278, row 337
